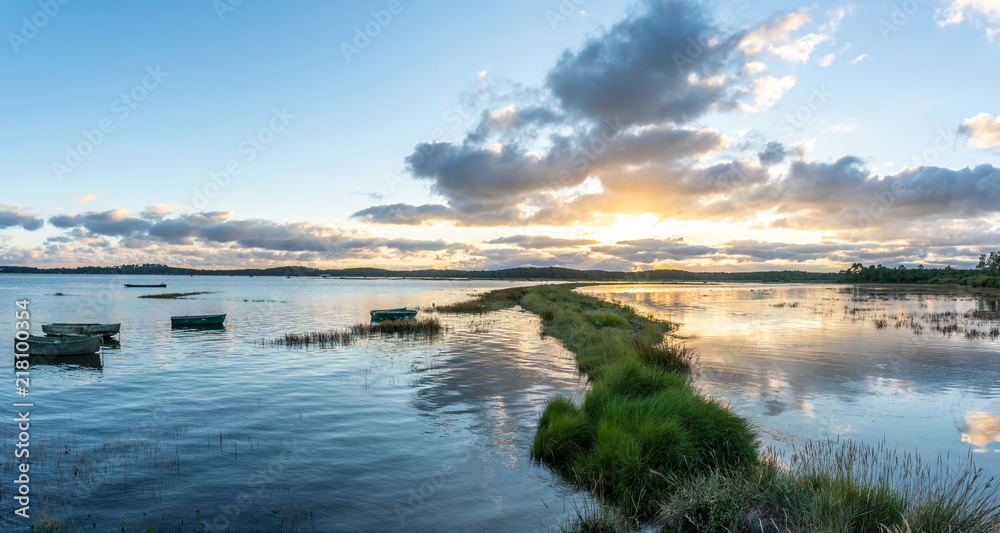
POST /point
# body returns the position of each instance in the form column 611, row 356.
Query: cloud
column 777, row 30
column 12, row 215
column 649, row 251
column 639, row 71
column 827, row 60
column 537, row 242
column 115, row 222
column 772, row 154
column 799, row 50
column 217, row 230
column 859, row 59
column 956, row 11
column 983, row 130
column 767, row 90
column 158, row 211
column 85, row 199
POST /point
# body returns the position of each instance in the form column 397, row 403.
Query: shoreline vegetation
column 657, row 452
column 407, row 328
column 524, row 273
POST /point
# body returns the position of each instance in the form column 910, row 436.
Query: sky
column 729, row 135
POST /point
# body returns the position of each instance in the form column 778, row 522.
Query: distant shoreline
column 519, row 274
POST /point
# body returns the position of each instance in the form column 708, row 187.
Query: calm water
column 385, row 435
column 818, row 361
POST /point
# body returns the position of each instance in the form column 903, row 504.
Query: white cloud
column 827, row 60
column 755, row 67
column 859, row 59
column 778, row 30
column 767, row 90
column 799, row 50
column 836, row 16
column 842, row 127
column 85, row 199
column 983, row 130
column 957, row 11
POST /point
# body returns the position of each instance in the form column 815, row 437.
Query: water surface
column 809, row 361
column 205, row 425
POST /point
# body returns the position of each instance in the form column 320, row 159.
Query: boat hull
column 393, row 314
column 81, row 330
column 197, row 320
column 56, row 346
column 156, row 285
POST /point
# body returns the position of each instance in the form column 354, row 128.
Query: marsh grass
column 484, row 303
column 172, row 295
column 838, row 486
column 411, row 328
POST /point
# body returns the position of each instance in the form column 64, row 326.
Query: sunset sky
column 725, row 135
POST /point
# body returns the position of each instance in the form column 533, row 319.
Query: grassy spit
column 171, row 295
column 424, row 327
column 658, row 452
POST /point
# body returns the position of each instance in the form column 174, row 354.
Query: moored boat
column 197, row 320
column 62, row 345
column 61, row 329
column 393, row 314
column 156, row 285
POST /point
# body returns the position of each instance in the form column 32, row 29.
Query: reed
column 422, row 328
column 172, row 295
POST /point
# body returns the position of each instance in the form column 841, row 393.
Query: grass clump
column 838, row 487
column 425, row 327
column 486, row 302
column 642, row 429
column 171, row 295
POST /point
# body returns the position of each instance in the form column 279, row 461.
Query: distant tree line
column 529, row 273
column 986, row 274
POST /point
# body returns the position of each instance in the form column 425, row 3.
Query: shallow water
column 816, row 361
column 177, row 427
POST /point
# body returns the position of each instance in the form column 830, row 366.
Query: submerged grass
column 171, row 295
column 655, row 450
column 425, row 327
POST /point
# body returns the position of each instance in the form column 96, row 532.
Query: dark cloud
column 216, row 229
column 648, row 251
column 772, row 154
column 12, row 216
column 640, row 71
column 538, row 242
column 112, row 223
column 406, row 214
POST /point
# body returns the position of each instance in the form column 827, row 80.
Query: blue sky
column 727, row 135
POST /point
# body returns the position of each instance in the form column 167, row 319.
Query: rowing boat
column 80, row 329
column 62, row 345
column 393, row 314
column 197, row 320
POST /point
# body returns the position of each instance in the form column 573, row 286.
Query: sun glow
column 629, row 227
